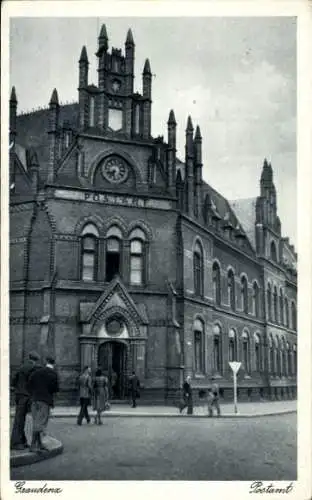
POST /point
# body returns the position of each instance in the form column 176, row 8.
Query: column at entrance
column 87, row 354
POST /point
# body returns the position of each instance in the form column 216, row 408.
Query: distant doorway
column 112, row 359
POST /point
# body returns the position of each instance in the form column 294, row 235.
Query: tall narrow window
column 273, row 252
column 286, row 313
column 295, row 359
column 217, row 362
column 255, row 299
column 244, row 294
column 91, row 111
column 136, row 262
column 89, row 246
column 269, row 302
column 112, row 258
column 199, row 346
column 277, row 357
column 275, row 305
column 246, row 351
column 293, row 316
column 198, row 269
column 271, row 355
column 232, row 345
column 257, row 352
column 284, row 358
column 231, row 290
column 137, row 119
column 281, row 301
column 289, row 363
column 216, row 277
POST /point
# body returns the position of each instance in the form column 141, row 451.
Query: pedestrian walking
column 43, row 384
column 187, row 397
column 134, row 386
column 100, row 395
column 22, row 400
column 85, row 389
column 214, row 399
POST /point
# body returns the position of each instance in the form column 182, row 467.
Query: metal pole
column 235, row 393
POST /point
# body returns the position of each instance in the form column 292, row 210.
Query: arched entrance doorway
column 112, row 359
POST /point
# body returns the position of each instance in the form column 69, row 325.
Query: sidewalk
column 254, row 409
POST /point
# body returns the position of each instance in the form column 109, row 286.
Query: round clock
column 114, row 170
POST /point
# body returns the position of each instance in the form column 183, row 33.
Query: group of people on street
column 213, row 397
column 35, row 385
column 97, row 391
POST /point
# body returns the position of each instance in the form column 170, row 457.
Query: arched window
column 275, row 305
column 216, row 279
column 269, row 302
column 284, row 358
column 137, row 257
column 91, row 111
column 295, row 359
column 286, row 312
column 279, row 356
column 281, row 300
column 137, row 118
column 89, row 252
column 231, row 289
column 255, row 299
column 232, row 345
column 293, row 316
column 273, row 251
column 199, row 346
column 244, row 294
column 246, row 351
column 257, row 352
column 113, row 252
column 198, row 269
column 276, row 356
column 271, row 355
column 289, row 360
column 217, row 361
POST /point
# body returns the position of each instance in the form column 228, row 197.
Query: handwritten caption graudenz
column 21, row 487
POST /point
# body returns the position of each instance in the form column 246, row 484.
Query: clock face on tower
column 115, row 170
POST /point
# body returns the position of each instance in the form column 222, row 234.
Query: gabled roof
column 245, row 211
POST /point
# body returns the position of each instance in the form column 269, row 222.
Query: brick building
column 122, row 256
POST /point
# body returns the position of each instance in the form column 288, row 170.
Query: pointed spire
column 103, row 33
column 147, row 68
column 198, row 136
column 267, row 172
column 171, row 120
column 83, row 55
column 13, row 95
column 189, row 127
column 129, row 40
column 54, row 98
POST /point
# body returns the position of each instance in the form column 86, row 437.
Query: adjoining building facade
column 123, row 257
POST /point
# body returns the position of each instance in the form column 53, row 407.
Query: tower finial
column 103, row 33
column 147, row 68
column 13, row 95
column 83, row 55
column 129, row 39
column 171, row 120
column 198, row 136
column 54, row 98
column 189, row 126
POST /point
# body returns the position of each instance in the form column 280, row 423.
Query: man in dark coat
column 22, row 401
column 134, row 386
column 43, row 384
column 187, row 397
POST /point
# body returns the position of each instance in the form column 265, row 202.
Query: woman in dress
column 100, row 394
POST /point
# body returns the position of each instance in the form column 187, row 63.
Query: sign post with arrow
column 235, row 366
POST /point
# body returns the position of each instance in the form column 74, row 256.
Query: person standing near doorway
column 134, row 386
column 22, row 400
column 85, row 388
column 100, row 395
column 43, row 384
column 213, row 400
column 187, row 397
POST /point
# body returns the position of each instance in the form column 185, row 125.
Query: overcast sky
column 236, row 77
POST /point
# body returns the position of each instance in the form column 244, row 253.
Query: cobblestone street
column 171, row 449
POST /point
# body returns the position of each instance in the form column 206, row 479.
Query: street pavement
column 178, row 448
